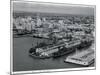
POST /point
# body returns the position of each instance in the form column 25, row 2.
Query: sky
column 20, row 6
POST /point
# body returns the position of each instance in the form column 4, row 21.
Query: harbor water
column 23, row 62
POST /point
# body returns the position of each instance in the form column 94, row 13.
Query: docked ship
column 45, row 51
column 57, row 50
column 72, row 46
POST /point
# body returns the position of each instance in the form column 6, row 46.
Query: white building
column 49, row 52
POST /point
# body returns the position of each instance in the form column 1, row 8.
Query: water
column 23, row 62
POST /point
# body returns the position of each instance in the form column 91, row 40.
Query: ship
column 68, row 48
column 72, row 46
column 44, row 50
column 62, row 52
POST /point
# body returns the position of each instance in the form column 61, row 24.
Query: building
column 49, row 52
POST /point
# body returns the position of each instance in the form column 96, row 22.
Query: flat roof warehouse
column 52, row 9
